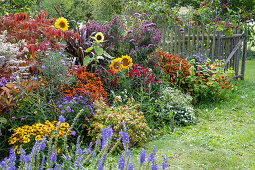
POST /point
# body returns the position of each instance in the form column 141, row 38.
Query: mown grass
column 224, row 136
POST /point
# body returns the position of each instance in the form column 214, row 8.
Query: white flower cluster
column 9, row 54
column 176, row 98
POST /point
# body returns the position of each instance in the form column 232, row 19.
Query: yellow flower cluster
column 121, row 63
column 25, row 134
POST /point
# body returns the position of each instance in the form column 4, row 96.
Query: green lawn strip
column 224, row 136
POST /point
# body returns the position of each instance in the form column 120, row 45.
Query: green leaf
column 3, row 120
column 87, row 60
column 89, row 49
column 108, row 55
column 98, row 50
column 100, row 57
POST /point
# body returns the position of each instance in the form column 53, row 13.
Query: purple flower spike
column 121, row 162
column 61, row 119
column 152, row 155
column 165, row 162
column 154, row 165
column 130, row 166
column 142, row 156
column 181, row 29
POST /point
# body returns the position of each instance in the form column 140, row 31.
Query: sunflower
column 62, row 24
column 116, row 65
column 126, row 61
column 99, row 37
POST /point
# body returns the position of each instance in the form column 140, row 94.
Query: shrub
column 141, row 41
column 38, row 32
column 114, row 117
column 55, row 68
column 88, row 83
column 180, row 104
column 175, row 68
column 209, row 79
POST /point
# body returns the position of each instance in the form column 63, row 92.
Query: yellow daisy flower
column 61, row 23
column 99, row 37
column 126, row 61
column 116, row 65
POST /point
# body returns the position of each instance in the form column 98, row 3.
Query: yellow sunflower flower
column 126, row 62
column 116, row 65
column 62, row 24
column 99, row 37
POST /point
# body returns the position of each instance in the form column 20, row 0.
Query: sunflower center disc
column 125, row 62
column 62, row 24
column 116, row 65
column 99, row 37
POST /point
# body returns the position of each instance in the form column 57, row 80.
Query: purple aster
column 68, row 108
column 13, row 117
column 12, row 78
column 73, row 133
column 62, row 111
column 21, row 119
column 61, row 119
column 43, row 67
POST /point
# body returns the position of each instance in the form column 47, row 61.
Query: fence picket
column 208, row 41
column 213, row 44
column 203, row 39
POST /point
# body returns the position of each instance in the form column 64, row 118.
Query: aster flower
column 68, row 108
column 73, row 133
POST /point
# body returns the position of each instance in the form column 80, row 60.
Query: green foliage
column 55, row 68
column 105, row 10
column 209, row 80
column 77, row 10
column 15, row 6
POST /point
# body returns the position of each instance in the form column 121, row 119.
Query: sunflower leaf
column 87, row 60
column 89, row 49
column 100, row 57
column 108, row 55
column 98, row 50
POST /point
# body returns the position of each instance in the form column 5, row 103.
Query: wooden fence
column 208, row 41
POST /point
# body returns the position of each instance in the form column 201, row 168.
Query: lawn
column 224, row 136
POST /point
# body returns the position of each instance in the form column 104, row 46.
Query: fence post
column 244, row 54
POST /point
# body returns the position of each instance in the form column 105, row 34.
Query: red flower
column 222, row 87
